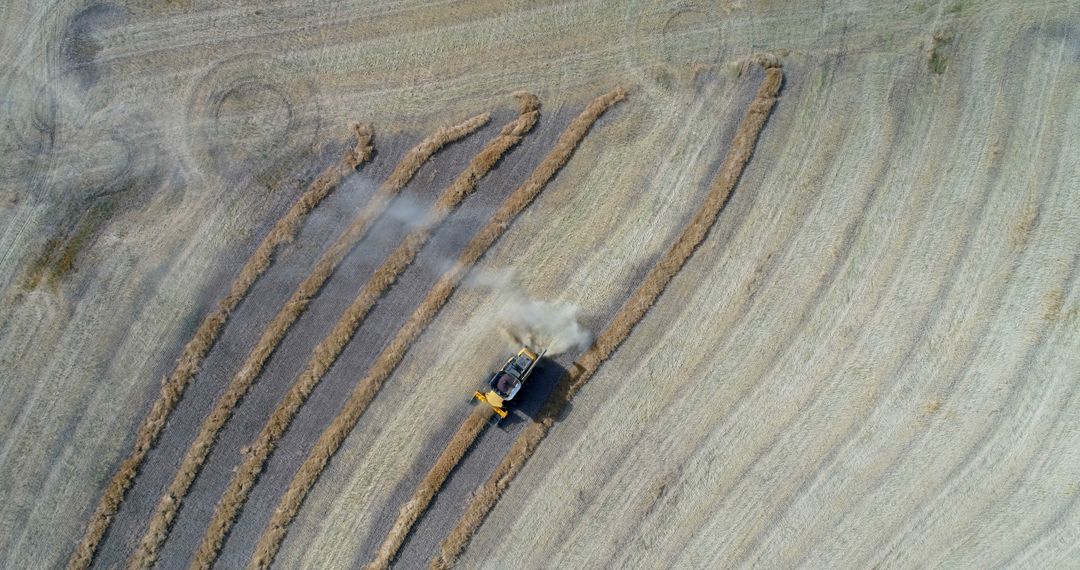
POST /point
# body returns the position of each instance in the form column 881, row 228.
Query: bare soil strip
column 631, row 312
column 366, row 390
column 150, row 546
column 327, row 351
column 206, row 335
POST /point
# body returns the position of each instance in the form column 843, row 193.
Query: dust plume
column 326, row 353
column 543, row 325
column 366, row 390
column 206, row 335
column 526, row 321
column 630, row 313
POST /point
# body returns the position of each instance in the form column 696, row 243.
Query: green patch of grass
column 60, row 254
column 938, row 61
column 664, row 79
column 41, row 266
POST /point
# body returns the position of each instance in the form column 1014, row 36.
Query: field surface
column 871, row 360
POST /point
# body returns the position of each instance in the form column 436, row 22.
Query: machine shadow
column 534, row 393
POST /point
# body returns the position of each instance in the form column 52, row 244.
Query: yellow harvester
column 505, row 383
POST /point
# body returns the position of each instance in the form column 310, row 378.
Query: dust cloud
column 526, row 321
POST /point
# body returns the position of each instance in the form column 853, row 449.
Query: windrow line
column 416, row 506
column 366, row 390
column 327, row 351
column 160, row 523
column 206, row 335
column 631, row 312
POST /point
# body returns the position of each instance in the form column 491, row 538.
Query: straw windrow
column 206, row 335
column 324, row 355
column 631, row 312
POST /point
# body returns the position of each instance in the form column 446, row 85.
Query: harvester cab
column 506, row 383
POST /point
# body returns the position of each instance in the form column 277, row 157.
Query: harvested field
column 429, row 487
column 869, row 360
column 188, row 364
column 325, row 354
column 151, row 543
column 616, row 333
column 387, row 362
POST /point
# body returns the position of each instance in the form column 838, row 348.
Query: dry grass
column 205, row 336
column 631, row 312
column 328, row 350
column 59, row 254
column 366, row 390
column 150, row 545
column 897, row 239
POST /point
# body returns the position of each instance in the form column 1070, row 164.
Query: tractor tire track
column 632, row 311
column 328, row 350
column 206, row 335
column 366, row 390
column 150, row 546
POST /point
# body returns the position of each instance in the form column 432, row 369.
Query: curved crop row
column 206, row 335
column 327, row 351
column 150, row 545
column 631, row 312
column 412, row 510
column 366, row 390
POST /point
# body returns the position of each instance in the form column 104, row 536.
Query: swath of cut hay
column 327, row 351
column 206, row 335
column 150, row 545
column 416, row 506
column 366, row 390
column 631, row 312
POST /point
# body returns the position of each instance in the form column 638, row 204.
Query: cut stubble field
column 252, row 367
column 388, row 361
column 328, row 350
column 256, row 260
